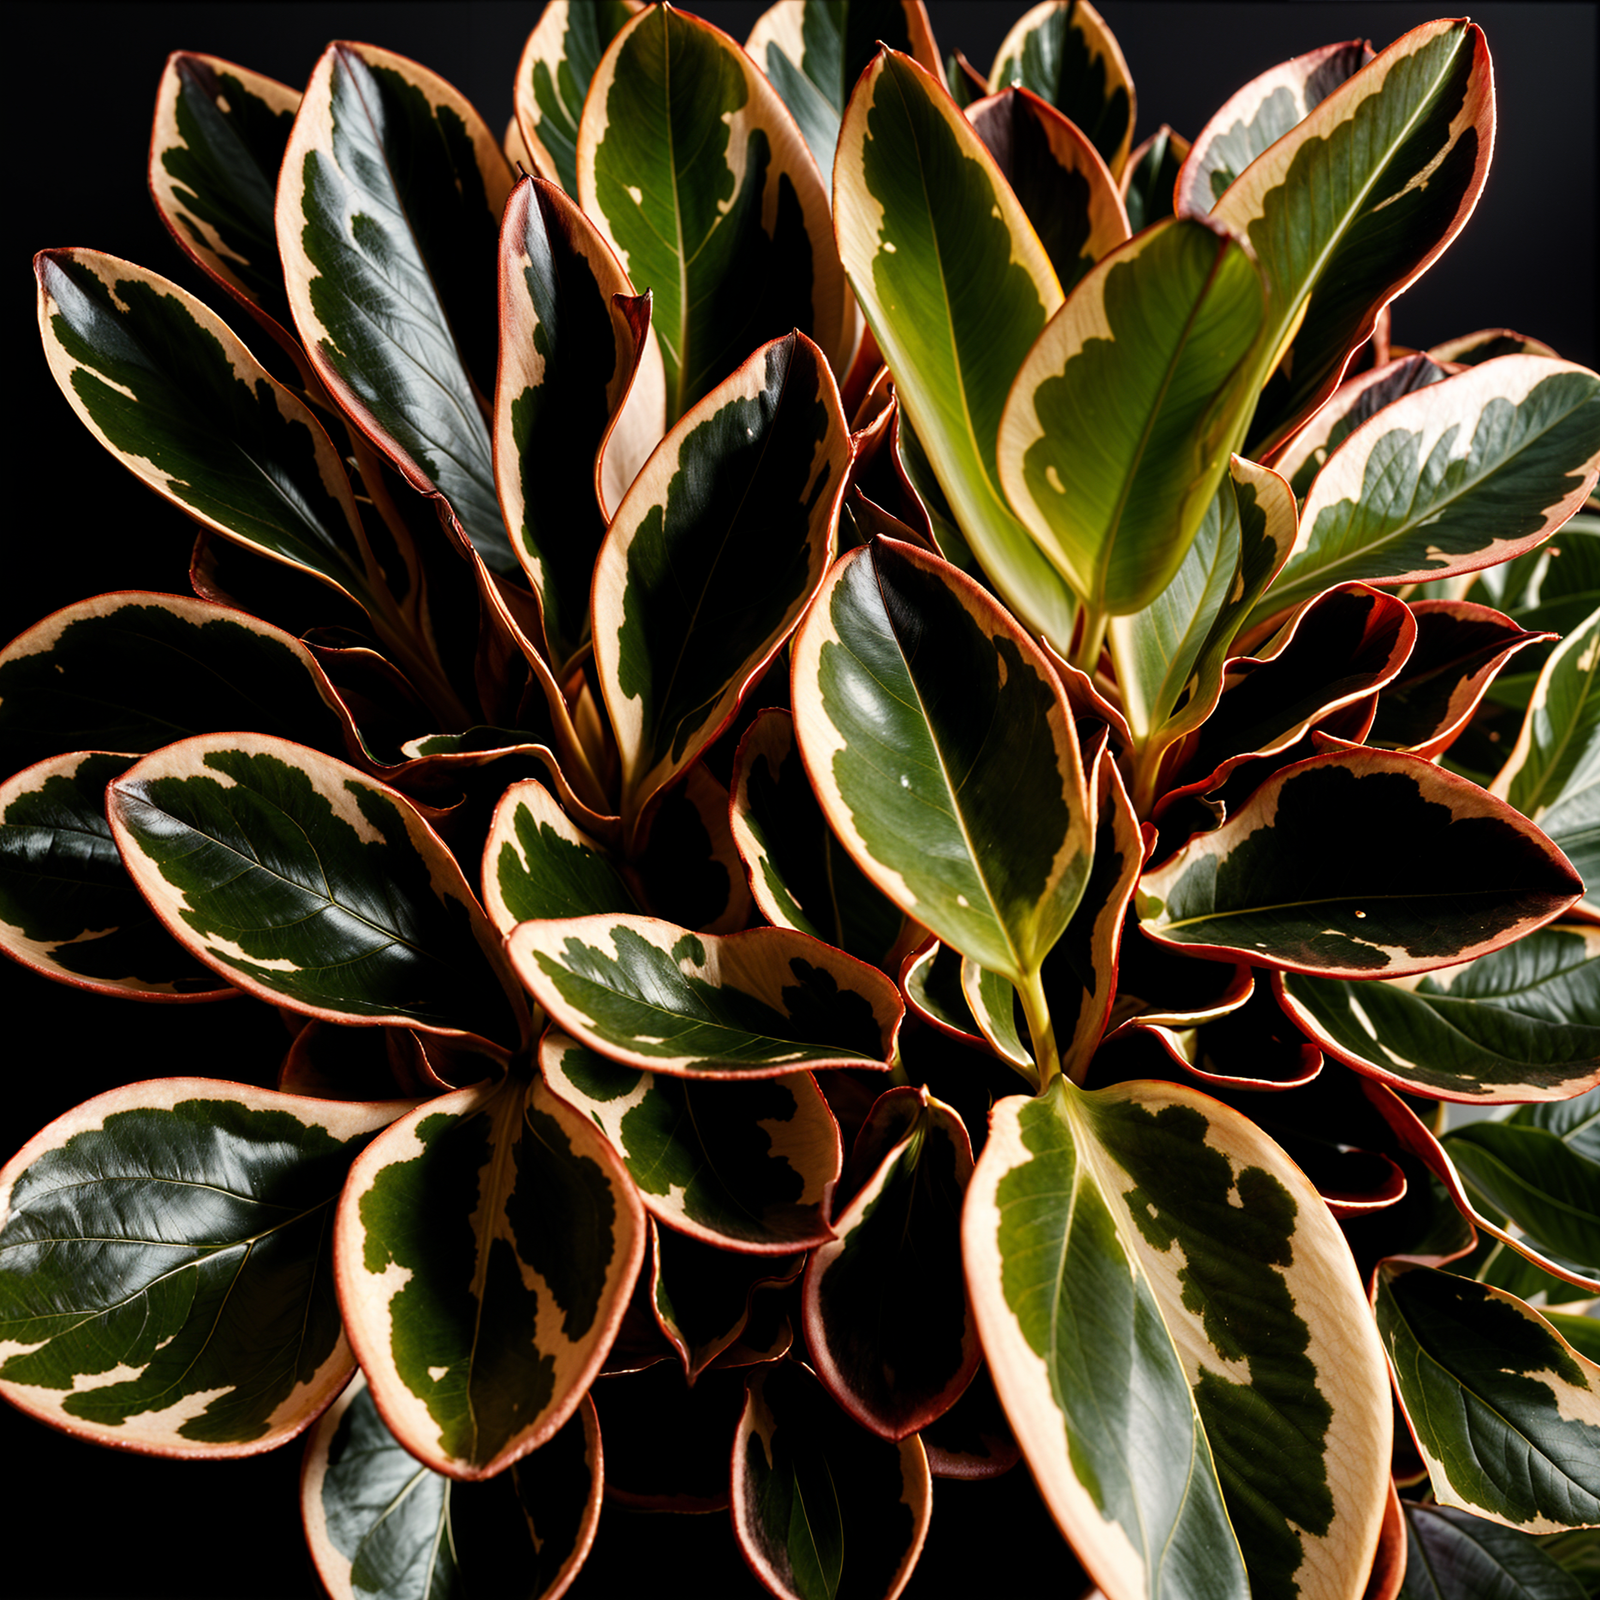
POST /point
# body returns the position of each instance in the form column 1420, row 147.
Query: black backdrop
column 83, row 1522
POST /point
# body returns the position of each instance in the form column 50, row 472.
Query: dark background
column 84, row 1522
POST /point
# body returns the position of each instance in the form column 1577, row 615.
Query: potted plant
column 879, row 814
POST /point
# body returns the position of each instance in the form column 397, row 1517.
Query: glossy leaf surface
column 305, row 882
column 1452, row 1555
column 759, row 1004
column 486, row 1249
column 165, row 1269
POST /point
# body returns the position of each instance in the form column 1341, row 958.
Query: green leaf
column 820, row 1509
column 166, row 1280
column 1438, row 873
column 800, row 875
column 1355, row 201
column 1454, row 1556
column 486, row 1247
column 815, row 51
column 576, row 364
column 1065, row 54
column 956, row 287
column 1257, row 116
column 992, row 1001
column 1118, row 428
column 174, row 395
column 1150, row 176
column 887, row 1321
column 1138, row 1259
column 132, row 672
column 1505, row 1412
column 699, row 179
column 1522, row 1023
column 558, row 65
column 1548, row 1188
column 1065, row 188
column 712, row 557
column 742, row 1166
column 382, row 1525
column 1463, row 474
column 388, row 210
column 305, row 882
column 944, row 755
column 215, row 149
column 67, row 907
column 1552, row 775
column 759, row 1004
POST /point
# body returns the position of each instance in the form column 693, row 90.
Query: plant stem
column 1041, row 1029
column 1087, row 656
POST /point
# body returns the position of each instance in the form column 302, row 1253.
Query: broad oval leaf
column 174, row 395
column 1142, row 1263
column 760, row 1004
column 381, row 1526
column 820, row 1509
column 692, row 168
column 1522, row 1023
column 553, row 77
column 388, row 208
column 1462, row 474
column 887, row 1320
column 575, row 357
column 1505, row 1412
column 67, row 907
column 742, row 1166
column 167, row 1281
column 486, row 1247
column 218, row 141
column 310, row 884
column 1355, row 201
column 956, row 287
column 1438, row 872
column 940, row 744
column 1118, row 428
column 1065, row 54
column 132, row 672
column 712, row 556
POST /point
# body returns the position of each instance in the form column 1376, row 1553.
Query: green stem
column 1040, row 1028
column 1087, row 656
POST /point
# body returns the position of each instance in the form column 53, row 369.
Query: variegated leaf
column 955, row 287
column 486, row 1247
column 218, row 141
column 310, row 884
column 1438, row 873
column 940, row 744
column 553, row 77
column 1466, row 473
column 992, row 1001
column 67, row 907
column 1505, row 1412
column 1355, row 201
column 1552, row 775
column 577, row 365
column 382, row 1526
column 690, row 872
column 1119, row 426
column 1522, row 1023
column 931, row 979
column 387, row 212
column 820, row 1509
column 741, row 1166
column 692, row 168
column 1150, row 177
column 1257, row 116
column 800, row 875
column 887, row 1320
column 536, row 863
column 131, row 672
column 760, row 1004
column 712, row 556
column 815, row 50
column 1142, row 1261
column 1065, row 187
column 1065, row 54
column 165, row 1272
